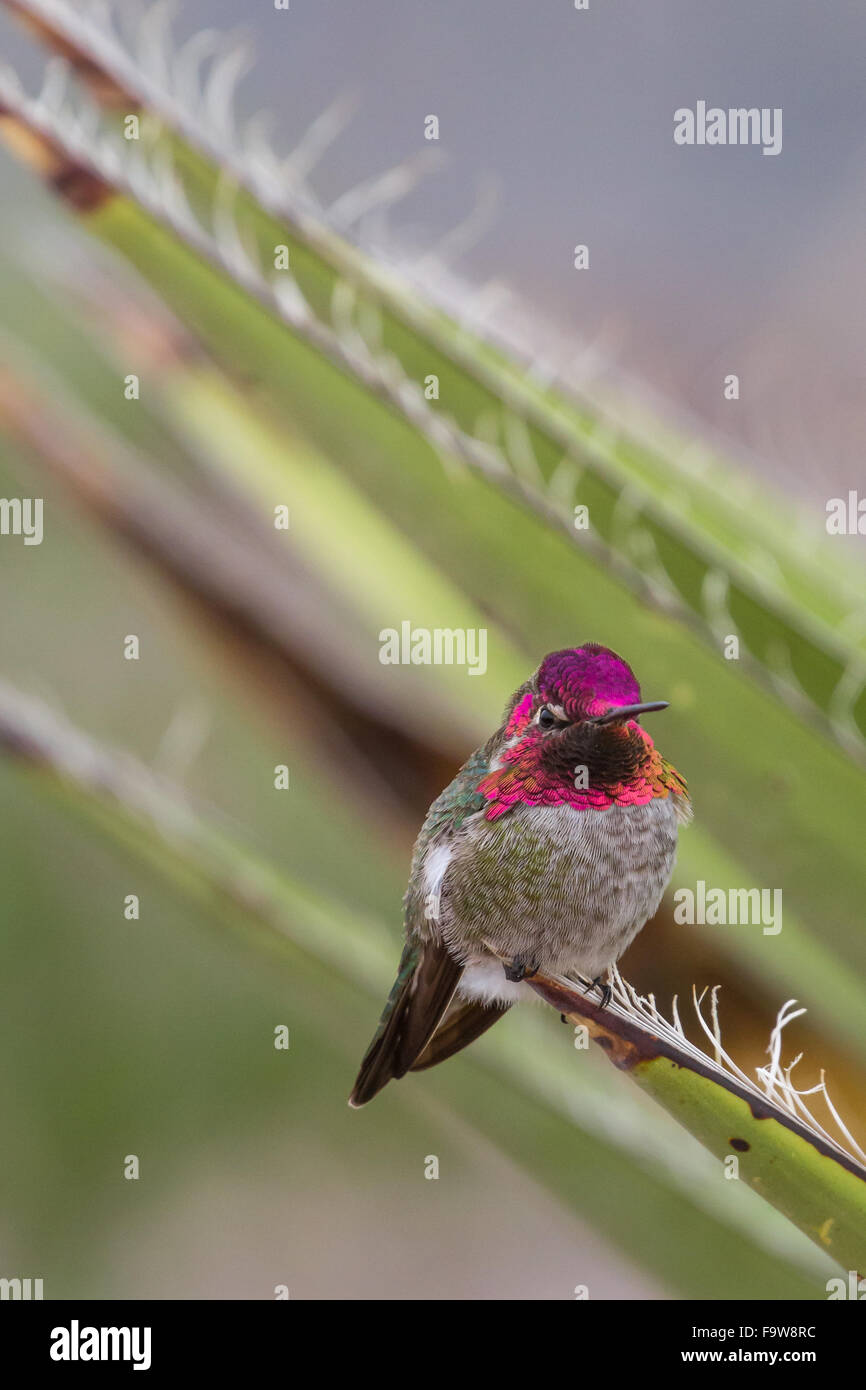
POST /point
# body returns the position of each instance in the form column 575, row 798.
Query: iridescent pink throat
column 522, row 780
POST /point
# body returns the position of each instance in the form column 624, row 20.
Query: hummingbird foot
column 604, row 990
column 518, row 970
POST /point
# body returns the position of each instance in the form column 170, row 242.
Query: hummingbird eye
column 546, row 718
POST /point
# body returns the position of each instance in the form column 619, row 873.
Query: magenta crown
column 587, row 681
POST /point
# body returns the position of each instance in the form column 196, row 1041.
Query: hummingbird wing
column 421, row 993
column 464, row 1021
column 428, row 973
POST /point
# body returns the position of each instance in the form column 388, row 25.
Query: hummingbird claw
column 604, row 990
column 518, row 970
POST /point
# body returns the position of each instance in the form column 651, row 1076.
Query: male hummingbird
column 548, row 852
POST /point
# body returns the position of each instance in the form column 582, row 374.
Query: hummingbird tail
column 465, row 1020
column 423, row 989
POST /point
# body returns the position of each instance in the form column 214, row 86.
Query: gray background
column 703, row 261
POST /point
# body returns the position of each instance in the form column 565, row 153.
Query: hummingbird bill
column 548, row 852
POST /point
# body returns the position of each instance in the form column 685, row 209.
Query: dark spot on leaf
column 77, row 185
column 741, row 1145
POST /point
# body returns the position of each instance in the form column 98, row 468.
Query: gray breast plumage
column 566, row 890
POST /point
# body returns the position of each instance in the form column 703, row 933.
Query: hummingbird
column 548, row 852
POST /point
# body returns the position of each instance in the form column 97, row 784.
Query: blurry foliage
column 261, row 388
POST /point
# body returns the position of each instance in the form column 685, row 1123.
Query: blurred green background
column 259, row 648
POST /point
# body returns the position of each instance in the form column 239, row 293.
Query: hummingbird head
column 588, row 685
column 571, row 734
